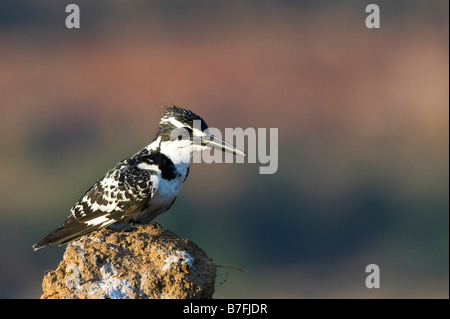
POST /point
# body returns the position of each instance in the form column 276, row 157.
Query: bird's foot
column 135, row 225
column 128, row 227
column 132, row 226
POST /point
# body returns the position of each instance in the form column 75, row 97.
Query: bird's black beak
column 212, row 141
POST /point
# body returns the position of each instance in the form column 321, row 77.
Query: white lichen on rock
column 73, row 276
column 110, row 286
column 178, row 256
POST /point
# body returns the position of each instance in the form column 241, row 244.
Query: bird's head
column 183, row 132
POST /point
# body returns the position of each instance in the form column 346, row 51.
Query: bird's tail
column 68, row 231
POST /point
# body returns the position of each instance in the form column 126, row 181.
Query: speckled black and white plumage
column 138, row 188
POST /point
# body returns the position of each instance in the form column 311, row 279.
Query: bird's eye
column 179, row 134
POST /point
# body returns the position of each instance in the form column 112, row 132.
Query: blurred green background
column 363, row 119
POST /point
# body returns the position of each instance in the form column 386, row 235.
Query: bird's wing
column 123, row 190
column 114, row 197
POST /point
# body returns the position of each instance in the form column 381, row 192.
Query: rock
column 146, row 263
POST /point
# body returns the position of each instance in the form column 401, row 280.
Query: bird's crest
column 179, row 117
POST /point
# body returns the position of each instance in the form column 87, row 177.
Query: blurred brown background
column 363, row 135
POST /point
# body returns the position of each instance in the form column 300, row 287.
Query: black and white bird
column 142, row 186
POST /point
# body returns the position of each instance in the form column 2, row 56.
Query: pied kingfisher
column 142, row 186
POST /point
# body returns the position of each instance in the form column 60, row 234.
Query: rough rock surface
column 146, row 263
